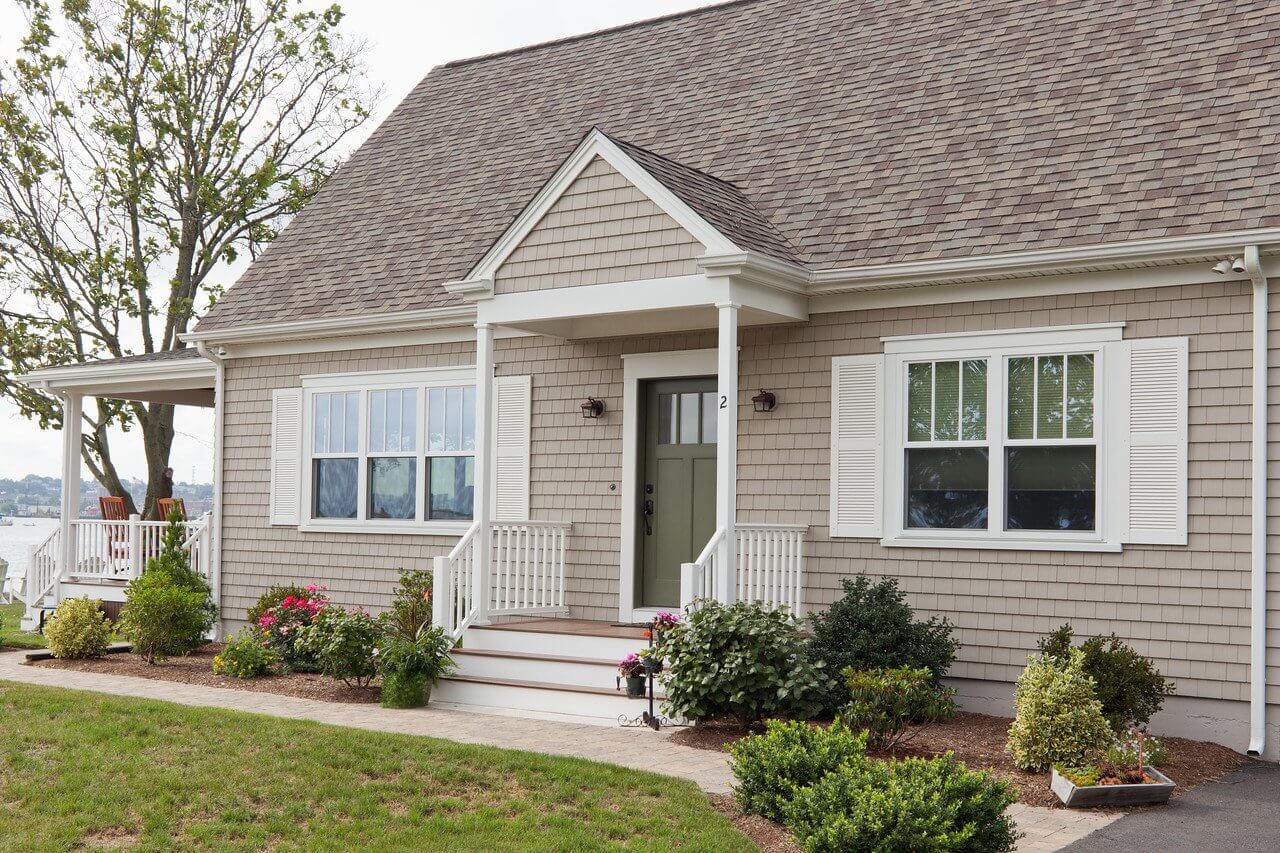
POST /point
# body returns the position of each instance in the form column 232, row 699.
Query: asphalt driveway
column 1239, row 813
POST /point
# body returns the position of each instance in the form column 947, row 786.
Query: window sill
column 995, row 544
column 430, row 528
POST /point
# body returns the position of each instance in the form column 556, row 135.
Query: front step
column 486, row 664
column 544, row 638
column 529, row 697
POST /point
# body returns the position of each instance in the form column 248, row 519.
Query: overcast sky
column 406, row 39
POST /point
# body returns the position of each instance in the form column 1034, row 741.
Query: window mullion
column 997, row 393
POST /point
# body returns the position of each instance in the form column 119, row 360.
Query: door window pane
column 946, row 401
column 947, row 488
column 1080, row 396
column 666, row 419
column 334, row 486
column 1051, row 488
column 710, row 399
column 973, row 420
column 1049, row 398
column 690, row 422
column 449, row 487
column 392, row 487
column 919, row 402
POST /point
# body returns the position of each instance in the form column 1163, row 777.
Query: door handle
column 648, row 516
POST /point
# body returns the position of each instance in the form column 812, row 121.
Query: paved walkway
column 641, row 749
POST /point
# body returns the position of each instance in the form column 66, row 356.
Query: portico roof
column 182, row 377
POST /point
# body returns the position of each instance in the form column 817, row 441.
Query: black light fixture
column 592, row 408
column 765, row 401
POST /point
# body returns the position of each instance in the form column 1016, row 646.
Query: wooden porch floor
column 577, row 627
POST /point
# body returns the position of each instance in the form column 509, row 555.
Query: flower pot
column 1075, row 796
column 405, row 690
column 653, row 666
column 636, row 685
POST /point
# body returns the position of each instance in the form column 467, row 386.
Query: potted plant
column 651, row 660
column 410, row 667
column 1110, row 783
column 631, row 670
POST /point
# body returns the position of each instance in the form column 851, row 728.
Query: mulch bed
column 764, row 833
column 197, row 668
column 978, row 741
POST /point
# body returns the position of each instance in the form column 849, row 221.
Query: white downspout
column 1258, row 573
column 215, row 534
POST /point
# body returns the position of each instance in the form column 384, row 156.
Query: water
column 16, row 541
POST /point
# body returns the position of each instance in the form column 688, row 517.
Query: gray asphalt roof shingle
column 861, row 131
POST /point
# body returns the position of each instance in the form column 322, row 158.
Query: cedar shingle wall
column 601, row 230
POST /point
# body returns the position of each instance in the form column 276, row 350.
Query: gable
column 602, row 229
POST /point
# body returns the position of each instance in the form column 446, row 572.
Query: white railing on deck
column 120, row 550
column 526, row 567
column 42, row 570
column 452, row 582
column 771, row 564
column 698, row 579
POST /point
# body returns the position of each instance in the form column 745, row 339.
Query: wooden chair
column 117, row 535
column 167, row 506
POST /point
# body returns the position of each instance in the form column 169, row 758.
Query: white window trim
column 1103, row 341
column 420, row 380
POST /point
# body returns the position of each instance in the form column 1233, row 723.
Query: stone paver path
column 641, row 749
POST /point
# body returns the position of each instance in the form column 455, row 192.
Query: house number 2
column 724, row 402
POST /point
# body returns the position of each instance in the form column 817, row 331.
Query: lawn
column 84, row 770
column 10, row 635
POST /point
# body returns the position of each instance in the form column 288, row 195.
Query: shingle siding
column 601, row 230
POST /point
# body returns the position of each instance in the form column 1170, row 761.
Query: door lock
column 648, row 512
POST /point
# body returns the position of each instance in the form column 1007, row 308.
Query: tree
column 144, row 146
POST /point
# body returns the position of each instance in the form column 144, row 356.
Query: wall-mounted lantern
column 592, row 408
column 765, row 401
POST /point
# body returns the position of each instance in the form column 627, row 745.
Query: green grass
column 83, row 769
column 10, row 635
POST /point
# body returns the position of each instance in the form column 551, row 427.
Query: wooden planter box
column 1147, row 793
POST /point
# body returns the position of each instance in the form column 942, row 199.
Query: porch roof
column 182, row 377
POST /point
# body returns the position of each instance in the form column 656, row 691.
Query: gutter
column 1258, row 573
column 215, row 546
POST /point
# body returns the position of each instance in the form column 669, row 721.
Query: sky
column 405, row 40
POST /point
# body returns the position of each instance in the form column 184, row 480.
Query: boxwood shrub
column 1127, row 684
column 790, row 755
column 1057, row 718
column 78, row 629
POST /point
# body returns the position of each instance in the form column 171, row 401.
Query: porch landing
column 576, row 627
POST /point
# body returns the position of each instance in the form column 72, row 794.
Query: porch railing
column 453, row 586
column 526, row 567
column 120, row 550
column 42, row 570
column 769, row 566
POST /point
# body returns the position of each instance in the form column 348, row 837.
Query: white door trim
column 637, row 367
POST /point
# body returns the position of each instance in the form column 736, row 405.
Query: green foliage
column 1124, row 753
column 173, row 559
column 78, row 629
column 790, row 755
column 163, row 618
column 872, row 627
column 886, row 702
column 911, row 805
column 344, row 643
column 1058, row 719
column 1129, row 686
column 425, row 654
column 404, row 690
column 1081, row 777
column 272, row 598
column 246, row 655
column 747, row 660
column 411, row 607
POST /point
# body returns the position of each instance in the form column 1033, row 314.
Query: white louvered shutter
column 1156, row 374
column 286, row 454
column 857, row 453
column 511, row 396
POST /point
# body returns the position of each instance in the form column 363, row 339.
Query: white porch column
column 727, row 451
column 72, row 408
column 482, row 490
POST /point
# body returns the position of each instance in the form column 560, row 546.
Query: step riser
column 556, row 645
column 546, row 671
column 540, row 701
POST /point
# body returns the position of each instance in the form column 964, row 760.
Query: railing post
column 205, row 542
column 136, row 560
column 690, row 583
column 441, row 594
column 29, row 584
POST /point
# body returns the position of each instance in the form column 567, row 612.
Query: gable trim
column 478, row 281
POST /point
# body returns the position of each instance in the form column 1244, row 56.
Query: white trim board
column 635, row 368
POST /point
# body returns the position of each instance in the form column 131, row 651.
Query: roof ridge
column 645, row 22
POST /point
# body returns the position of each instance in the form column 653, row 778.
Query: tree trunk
column 157, row 441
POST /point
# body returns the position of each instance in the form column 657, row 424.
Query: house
column 742, row 301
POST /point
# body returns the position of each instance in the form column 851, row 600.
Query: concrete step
column 531, row 698
column 541, row 640
column 542, row 669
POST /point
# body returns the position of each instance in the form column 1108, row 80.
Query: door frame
column 636, row 368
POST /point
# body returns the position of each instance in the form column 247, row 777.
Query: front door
column 678, row 483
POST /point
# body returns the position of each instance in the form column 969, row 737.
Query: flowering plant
column 665, row 620
column 631, row 666
column 282, row 624
column 342, row 642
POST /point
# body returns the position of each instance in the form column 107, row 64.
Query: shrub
column 771, row 767
column 283, row 624
column 747, row 660
column 272, row 598
column 885, row 702
column 904, row 805
column 872, row 627
column 1058, row 719
column 164, row 618
column 1124, row 753
column 246, row 655
column 411, row 607
column 78, row 629
column 1129, row 686
column 410, row 667
column 342, row 642
column 174, row 560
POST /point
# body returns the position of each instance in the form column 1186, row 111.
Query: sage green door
column 678, row 483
